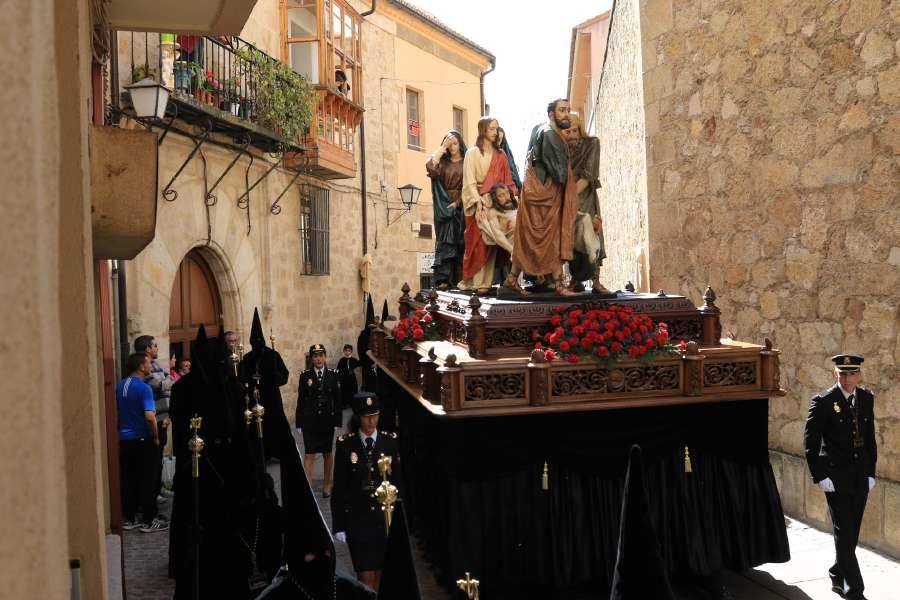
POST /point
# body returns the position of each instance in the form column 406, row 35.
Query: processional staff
column 386, row 493
column 195, row 445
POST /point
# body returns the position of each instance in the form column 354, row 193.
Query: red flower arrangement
column 417, row 327
column 605, row 335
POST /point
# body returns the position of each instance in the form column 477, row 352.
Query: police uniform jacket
column 319, row 401
column 830, row 433
column 356, row 475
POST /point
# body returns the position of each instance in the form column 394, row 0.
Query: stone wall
column 773, row 133
column 619, row 123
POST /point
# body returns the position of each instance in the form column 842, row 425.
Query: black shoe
column 837, row 584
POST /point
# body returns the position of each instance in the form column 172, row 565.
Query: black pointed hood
column 370, row 311
column 639, row 572
column 257, row 337
column 384, row 312
column 398, row 578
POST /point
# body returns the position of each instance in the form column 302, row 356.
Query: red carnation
column 564, row 346
column 682, row 346
column 549, row 355
column 428, row 318
column 418, row 334
column 586, row 343
column 535, row 335
column 602, row 351
column 615, row 346
column 555, row 320
column 537, row 345
column 572, row 358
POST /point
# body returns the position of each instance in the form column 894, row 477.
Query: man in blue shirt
column 138, row 442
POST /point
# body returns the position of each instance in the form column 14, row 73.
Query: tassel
column 545, row 478
column 687, row 461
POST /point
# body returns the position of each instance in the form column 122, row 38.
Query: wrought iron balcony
column 216, row 83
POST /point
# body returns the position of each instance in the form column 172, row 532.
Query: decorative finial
column 768, row 343
column 474, row 303
column 432, row 354
column 537, row 356
column 195, row 445
column 629, row 287
column 386, row 493
column 432, row 299
column 450, row 361
column 662, row 294
column 405, row 289
column 709, row 298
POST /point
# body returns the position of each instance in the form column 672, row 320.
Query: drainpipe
column 362, row 167
column 481, row 82
column 122, row 317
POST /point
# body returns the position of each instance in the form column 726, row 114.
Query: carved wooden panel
column 642, row 378
column 510, row 337
column 495, row 386
column 729, row 373
column 685, row 329
column 458, row 332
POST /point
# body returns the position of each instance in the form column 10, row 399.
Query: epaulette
column 389, row 434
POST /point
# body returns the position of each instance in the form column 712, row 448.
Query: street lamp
column 409, row 197
column 149, row 98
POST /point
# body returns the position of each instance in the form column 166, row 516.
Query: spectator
column 231, row 340
column 161, row 382
column 183, row 366
column 173, row 369
column 138, row 443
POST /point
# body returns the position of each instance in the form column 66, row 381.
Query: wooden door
column 195, row 299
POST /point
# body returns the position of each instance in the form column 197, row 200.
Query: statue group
column 491, row 227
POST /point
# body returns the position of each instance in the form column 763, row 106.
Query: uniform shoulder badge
column 837, row 407
column 354, row 458
column 389, row 434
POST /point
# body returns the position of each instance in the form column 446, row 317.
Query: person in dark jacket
column 841, row 454
column 357, row 518
column 318, row 414
column 346, row 369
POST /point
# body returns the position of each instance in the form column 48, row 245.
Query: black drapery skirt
column 477, row 503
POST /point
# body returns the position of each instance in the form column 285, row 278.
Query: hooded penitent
column 362, row 346
column 398, row 578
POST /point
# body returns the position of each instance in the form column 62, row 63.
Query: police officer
column 841, row 453
column 356, row 514
column 318, row 414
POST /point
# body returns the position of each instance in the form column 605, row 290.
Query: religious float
column 516, row 430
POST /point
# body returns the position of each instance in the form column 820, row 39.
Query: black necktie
column 852, row 400
column 370, row 443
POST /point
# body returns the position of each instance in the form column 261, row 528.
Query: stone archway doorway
column 195, row 300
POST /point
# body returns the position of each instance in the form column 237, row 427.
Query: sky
column 531, row 41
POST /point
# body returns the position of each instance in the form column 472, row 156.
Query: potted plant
column 186, row 75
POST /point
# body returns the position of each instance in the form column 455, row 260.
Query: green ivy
column 283, row 100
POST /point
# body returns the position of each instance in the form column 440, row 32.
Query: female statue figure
column 445, row 168
column 484, row 166
column 589, row 249
column 503, row 142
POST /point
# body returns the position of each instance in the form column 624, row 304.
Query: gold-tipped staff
column 469, row 586
column 386, row 493
column 257, row 412
column 195, row 444
column 235, row 359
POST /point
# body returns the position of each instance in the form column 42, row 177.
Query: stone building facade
column 771, row 133
column 262, row 267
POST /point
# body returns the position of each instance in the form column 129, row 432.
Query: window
column 413, row 123
column 459, row 120
column 314, row 229
column 322, row 41
column 425, row 230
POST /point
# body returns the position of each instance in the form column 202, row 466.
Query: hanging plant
column 283, row 100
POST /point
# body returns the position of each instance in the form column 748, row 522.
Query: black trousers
column 847, row 508
column 137, row 463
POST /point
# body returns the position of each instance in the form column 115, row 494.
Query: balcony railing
column 217, row 78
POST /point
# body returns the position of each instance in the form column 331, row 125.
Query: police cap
column 847, row 363
column 365, row 404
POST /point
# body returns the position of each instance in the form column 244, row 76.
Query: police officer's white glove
column 871, row 482
column 826, row 485
column 341, row 537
